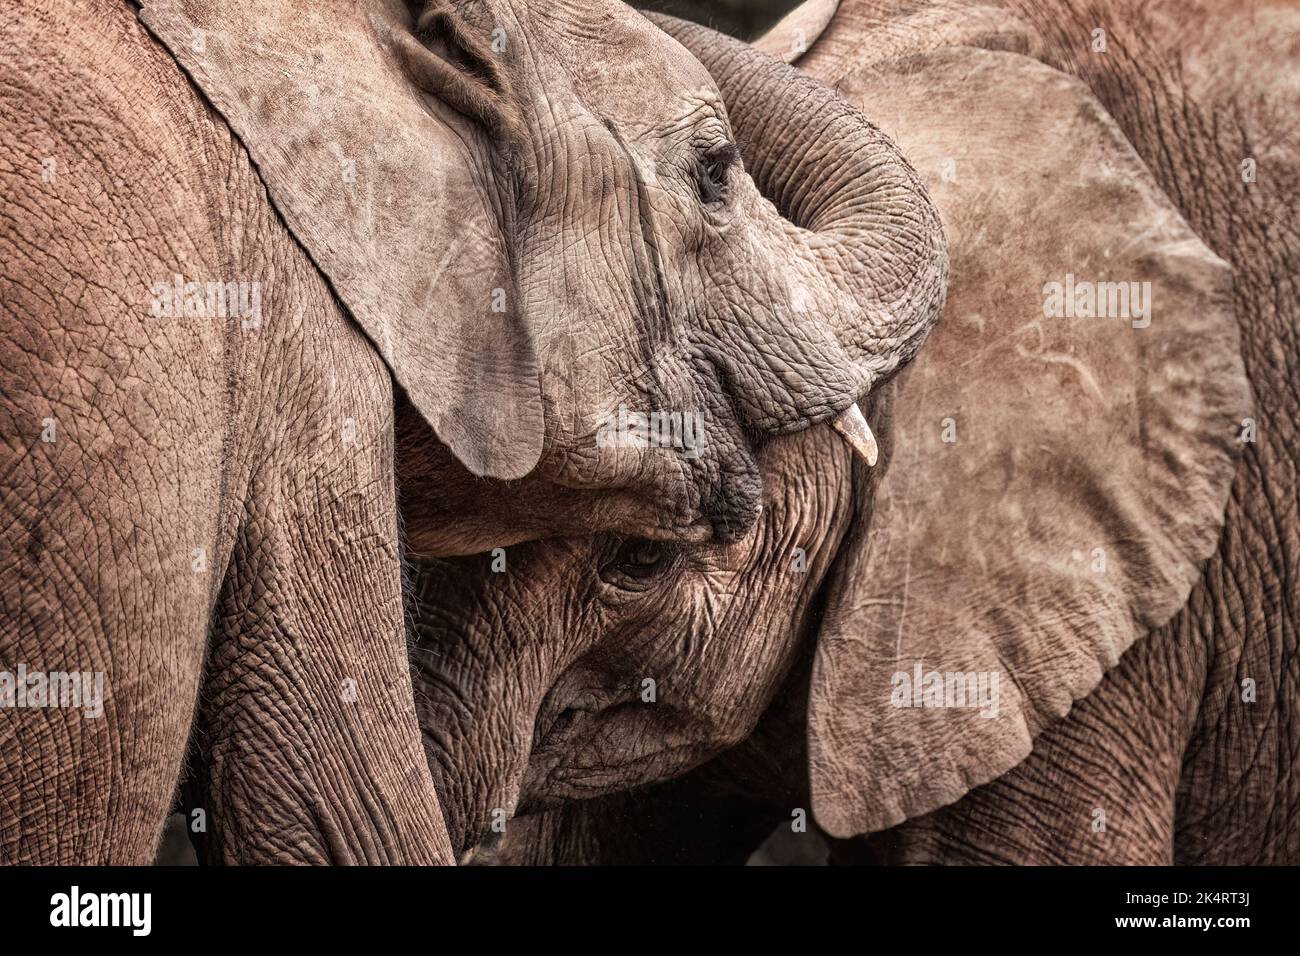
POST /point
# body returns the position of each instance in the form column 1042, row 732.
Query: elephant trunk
column 871, row 229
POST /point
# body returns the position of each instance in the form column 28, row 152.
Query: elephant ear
column 374, row 148
column 1054, row 481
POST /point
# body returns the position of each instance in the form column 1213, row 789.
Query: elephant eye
column 715, row 166
column 636, row 562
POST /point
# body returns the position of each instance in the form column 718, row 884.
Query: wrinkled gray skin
column 818, row 276
column 530, row 681
column 1198, row 88
column 1164, row 746
column 197, row 505
column 215, row 525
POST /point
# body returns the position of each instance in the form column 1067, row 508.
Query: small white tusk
column 853, row 426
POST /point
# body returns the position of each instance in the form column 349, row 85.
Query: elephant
column 1055, row 623
column 293, row 293
column 1201, row 92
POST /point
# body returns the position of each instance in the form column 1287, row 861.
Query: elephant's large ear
column 372, row 145
column 1054, row 480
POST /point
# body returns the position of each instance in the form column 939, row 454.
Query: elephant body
column 214, row 489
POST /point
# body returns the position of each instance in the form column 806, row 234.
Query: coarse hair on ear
column 448, row 59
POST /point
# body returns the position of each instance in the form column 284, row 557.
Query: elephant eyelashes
column 713, row 170
column 637, row 562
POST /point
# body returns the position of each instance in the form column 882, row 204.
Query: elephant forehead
column 618, row 63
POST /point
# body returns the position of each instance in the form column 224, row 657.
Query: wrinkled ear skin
column 1050, row 486
column 380, row 142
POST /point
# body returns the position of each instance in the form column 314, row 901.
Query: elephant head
column 1052, row 478
column 543, row 214
column 574, row 667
